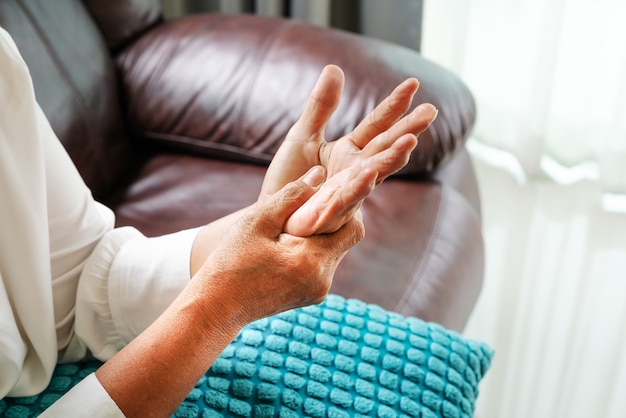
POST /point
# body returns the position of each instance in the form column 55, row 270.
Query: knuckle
column 358, row 231
column 288, row 194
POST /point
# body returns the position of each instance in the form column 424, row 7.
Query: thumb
column 281, row 205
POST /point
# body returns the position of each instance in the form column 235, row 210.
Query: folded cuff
column 127, row 283
column 98, row 405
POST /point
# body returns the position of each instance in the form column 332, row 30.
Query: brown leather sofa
column 173, row 123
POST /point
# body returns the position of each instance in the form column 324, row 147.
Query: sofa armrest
column 231, row 86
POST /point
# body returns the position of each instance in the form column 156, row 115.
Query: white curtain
column 552, row 304
column 549, row 77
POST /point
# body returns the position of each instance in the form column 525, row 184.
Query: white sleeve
column 127, row 282
column 73, row 404
column 53, row 235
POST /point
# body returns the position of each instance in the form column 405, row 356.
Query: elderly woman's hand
column 378, row 147
column 257, row 270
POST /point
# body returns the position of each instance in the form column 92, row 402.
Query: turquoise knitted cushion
column 341, row 358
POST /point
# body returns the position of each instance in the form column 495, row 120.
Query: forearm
column 148, row 377
column 255, row 271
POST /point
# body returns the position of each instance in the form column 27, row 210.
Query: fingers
column 391, row 160
column 334, row 204
column 347, row 200
column 322, row 102
column 390, row 151
column 386, row 113
column 347, row 236
column 414, row 124
column 279, row 207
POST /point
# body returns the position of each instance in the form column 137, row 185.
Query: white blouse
column 70, row 283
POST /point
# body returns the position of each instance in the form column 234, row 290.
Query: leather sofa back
column 251, row 76
column 75, row 84
column 120, row 21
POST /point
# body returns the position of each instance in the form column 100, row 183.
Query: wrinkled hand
column 378, row 147
column 257, row 270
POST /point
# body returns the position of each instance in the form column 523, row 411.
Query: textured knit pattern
column 342, row 358
column 64, row 378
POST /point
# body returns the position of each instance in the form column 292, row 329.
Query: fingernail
column 315, row 176
column 433, row 110
column 430, row 110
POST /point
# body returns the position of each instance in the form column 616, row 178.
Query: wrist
column 177, row 348
column 214, row 309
